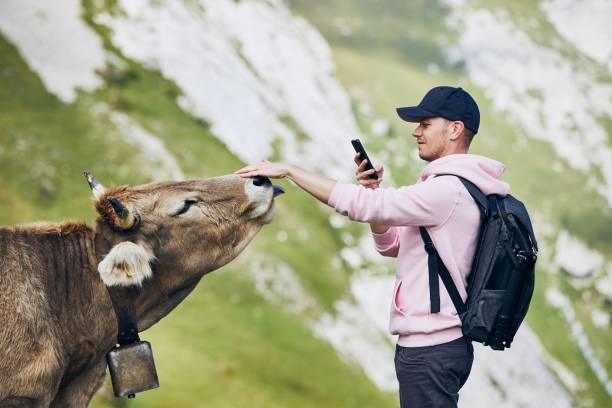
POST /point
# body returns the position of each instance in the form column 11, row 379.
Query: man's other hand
column 363, row 175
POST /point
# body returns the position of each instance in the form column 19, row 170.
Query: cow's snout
column 261, row 193
column 261, row 181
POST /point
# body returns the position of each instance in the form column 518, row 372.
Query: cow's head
column 175, row 232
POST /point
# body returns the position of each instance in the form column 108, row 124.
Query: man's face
column 431, row 136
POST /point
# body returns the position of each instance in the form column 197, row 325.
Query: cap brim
column 414, row 113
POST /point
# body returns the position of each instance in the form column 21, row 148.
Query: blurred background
column 142, row 90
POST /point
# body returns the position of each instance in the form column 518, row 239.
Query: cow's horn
column 96, row 188
column 126, row 218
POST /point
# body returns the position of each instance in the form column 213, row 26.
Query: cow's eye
column 186, row 206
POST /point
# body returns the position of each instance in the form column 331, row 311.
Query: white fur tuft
column 126, row 264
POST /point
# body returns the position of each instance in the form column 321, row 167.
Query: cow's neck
column 75, row 294
column 152, row 301
column 162, row 301
column 148, row 304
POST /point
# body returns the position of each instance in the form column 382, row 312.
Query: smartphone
column 364, row 156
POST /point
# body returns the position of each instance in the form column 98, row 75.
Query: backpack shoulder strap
column 434, row 262
column 477, row 195
column 436, row 267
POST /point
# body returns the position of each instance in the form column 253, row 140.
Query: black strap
column 127, row 332
column 477, row 195
column 437, row 268
column 432, row 266
column 436, row 265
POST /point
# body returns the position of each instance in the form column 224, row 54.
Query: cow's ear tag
column 132, row 369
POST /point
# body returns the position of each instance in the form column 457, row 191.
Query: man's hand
column 362, row 174
column 264, row 168
column 320, row 187
column 362, row 177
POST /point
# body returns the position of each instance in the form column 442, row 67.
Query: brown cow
column 151, row 246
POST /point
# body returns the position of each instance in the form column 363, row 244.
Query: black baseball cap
column 448, row 102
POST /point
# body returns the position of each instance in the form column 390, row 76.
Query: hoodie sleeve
column 387, row 243
column 429, row 203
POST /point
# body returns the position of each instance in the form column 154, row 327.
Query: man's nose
column 416, row 132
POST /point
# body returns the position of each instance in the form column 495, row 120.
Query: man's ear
column 456, row 129
column 126, row 264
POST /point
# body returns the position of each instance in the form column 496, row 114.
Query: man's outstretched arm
column 319, row 186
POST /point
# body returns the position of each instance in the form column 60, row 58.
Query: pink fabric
column 445, row 208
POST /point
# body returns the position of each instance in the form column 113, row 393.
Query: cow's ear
column 126, row 264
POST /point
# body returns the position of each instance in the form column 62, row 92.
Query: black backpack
column 502, row 278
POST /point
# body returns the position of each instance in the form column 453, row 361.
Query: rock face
column 57, row 44
column 574, row 258
column 250, row 68
column 534, row 84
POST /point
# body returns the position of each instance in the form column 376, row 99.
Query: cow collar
column 130, row 364
column 127, row 331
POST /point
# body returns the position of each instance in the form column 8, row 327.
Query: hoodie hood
column 480, row 170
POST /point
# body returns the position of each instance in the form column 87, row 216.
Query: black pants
column 430, row 377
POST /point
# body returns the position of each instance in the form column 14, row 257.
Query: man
column 432, row 359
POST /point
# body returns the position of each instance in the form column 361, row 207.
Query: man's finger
column 245, row 169
column 253, row 168
column 367, row 172
column 364, row 174
column 362, row 165
column 250, row 174
column 357, row 158
column 367, row 182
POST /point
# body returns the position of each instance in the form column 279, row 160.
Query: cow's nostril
column 261, row 181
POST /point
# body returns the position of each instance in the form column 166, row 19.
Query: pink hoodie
column 446, row 209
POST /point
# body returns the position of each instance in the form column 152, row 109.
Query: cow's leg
column 79, row 391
